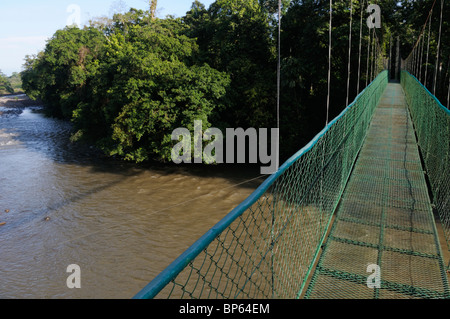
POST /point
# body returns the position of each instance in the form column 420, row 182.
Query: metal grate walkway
column 385, row 219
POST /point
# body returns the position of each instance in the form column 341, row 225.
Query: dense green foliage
column 126, row 88
column 127, row 82
column 5, row 85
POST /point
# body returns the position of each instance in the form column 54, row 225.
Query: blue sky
column 25, row 25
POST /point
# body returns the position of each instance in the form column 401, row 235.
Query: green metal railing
column 384, row 222
column 267, row 246
column 432, row 125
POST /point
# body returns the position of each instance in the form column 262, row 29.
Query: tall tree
column 127, row 85
column 153, row 6
column 236, row 37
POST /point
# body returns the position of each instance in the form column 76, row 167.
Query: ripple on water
column 121, row 223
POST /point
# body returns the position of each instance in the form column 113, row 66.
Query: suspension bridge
column 361, row 212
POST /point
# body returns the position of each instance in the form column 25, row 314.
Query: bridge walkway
column 385, row 219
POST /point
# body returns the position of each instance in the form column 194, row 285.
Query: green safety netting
column 432, row 125
column 384, row 242
column 267, row 246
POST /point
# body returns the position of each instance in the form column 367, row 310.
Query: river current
column 61, row 204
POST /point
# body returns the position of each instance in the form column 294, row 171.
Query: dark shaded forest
column 127, row 82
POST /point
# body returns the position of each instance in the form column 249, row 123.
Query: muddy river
column 61, row 204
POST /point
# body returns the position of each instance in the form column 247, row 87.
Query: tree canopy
column 127, row 82
column 5, row 84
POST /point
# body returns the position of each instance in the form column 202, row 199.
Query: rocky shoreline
column 17, row 101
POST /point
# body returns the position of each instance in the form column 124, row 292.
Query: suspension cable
column 279, row 65
column 411, row 60
column 360, row 47
column 428, row 50
column 372, row 64
column 421, row 59
column 414, row 64
column 368, row 56
column 349, row 51
column 416, row 57
column 448, row 93
column 278, row 87
column 329, row 61
column 438, row 50
column 389, row 67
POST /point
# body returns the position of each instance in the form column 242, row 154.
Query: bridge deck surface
column 385, row 218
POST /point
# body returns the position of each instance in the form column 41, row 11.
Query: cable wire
column 438, row 50
column 329, row 62
column 349, row 52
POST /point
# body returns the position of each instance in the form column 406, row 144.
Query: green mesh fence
column 267, row 246
column 383, row 243
column 432, row 125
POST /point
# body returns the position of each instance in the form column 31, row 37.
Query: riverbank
column 121, row 223
column 16, row 101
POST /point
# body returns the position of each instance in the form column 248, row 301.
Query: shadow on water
column 51, row 138
column 124, row 222
column 54, row 143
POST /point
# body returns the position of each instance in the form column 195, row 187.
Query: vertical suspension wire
column 381, row 60
column 279, row 64
column 438, row 50
column 428, row 49
column 371, row 58
column 416, row 60
column 378, row 59
column 417, row 52
column 360, row 48
column 368, row 57
column 277, row 148
column 421, row 57
column 448, row 95
column 278, row 86
column 372, row 64
column 321, row 198
column 448, row 92
column 376, row 54
column 349, row 52
column 398, row 59
column 411, row 63
column 375, row 60
column 329, row 61
column 275, row 191
column 389, row 67
column 407, row 63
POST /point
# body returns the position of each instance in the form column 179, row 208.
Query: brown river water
column 121, row 223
